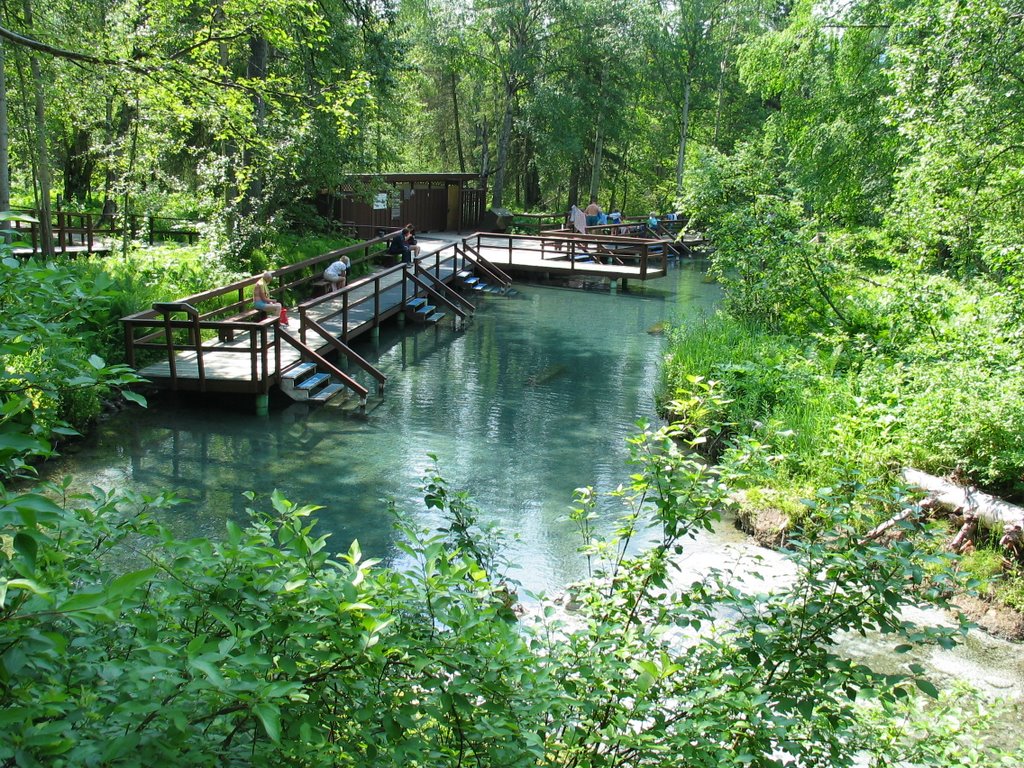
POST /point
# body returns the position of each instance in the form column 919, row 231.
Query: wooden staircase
column 421, row 311
column 305, row 383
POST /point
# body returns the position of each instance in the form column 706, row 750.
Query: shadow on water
column 535, row 398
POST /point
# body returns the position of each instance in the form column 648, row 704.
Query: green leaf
column 125, row 584
column 270, row 717
column 26, row 546
column 209, row 670
column 134, row 397
column 97, row 362
column 83, row 601
column 927, row 688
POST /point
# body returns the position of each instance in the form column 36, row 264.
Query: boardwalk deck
column 230, row 361
column 211, row 343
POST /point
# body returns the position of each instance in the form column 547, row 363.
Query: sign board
column 380, row 201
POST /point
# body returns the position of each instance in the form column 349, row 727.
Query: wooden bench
column 248, row 316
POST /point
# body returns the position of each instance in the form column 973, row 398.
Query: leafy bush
column 120, row 645
column 51, row 378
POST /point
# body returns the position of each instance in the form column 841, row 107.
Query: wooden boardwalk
column 216, row 341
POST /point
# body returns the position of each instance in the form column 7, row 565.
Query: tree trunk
column 718, row 105
column 42, row 151
column 504, row 140
column 458, row 127
column 256, row 69
column 5, row 175
column 574, row 187
column 595, row 165
column 109, row 203
column 78, row 166
column 485, row 153
column 994, row 513
column 684, row 128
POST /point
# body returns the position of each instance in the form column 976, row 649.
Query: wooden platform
column 346, row 314
column 212, row 342
column 612, row 258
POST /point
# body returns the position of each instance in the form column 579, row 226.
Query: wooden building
column 452, row 202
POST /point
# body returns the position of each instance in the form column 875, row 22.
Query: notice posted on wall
column 380, row 201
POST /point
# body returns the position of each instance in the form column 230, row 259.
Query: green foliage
column 981, row 565
column 51, row 379
column 121, row 645
column 1011, row 591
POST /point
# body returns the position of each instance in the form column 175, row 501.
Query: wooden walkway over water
column 216, row 342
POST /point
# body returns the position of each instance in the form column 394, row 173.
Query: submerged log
column 993, row 513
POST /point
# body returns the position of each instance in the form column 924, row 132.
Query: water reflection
column 535, row 398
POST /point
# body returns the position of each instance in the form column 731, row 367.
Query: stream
column 535, row 398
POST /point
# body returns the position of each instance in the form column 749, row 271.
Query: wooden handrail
column 323, row 362
column 350, row 353
column 417, row 280
column 492, row 270
column 448, row 290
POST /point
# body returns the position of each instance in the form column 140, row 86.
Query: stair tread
column 416, row 302
column 297, row 371
column 425, row 309
column 437, row 316
column 327, row 392
column 313, row 381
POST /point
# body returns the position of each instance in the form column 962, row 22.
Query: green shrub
column 1011, row 591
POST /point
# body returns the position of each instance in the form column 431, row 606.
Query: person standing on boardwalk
column 336, row 273
column 593, row 212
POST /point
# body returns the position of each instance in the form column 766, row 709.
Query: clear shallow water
column 535, row 398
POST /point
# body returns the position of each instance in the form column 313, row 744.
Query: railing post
column 152, row 228
column 62, row 231
column 88, row 232
column 344, row 316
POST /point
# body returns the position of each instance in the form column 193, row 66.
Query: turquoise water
column 535, row 398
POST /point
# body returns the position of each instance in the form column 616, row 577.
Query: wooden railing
column 307, row 353
column 173, row 327
column 535, row 223
column 378, row 283
column 201, row 323
column 96, row 233
column 579, row 250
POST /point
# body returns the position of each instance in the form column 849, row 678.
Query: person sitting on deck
column 615, row 217
column 398, row 247
column 337, row 272
column 410, row 240
column 593, row 212
column 261, row 297
column 652, row 223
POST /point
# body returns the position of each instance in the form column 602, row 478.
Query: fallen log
column 993, row 513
